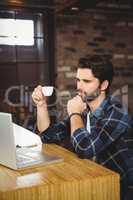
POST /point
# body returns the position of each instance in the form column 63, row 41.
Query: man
column 98, row 126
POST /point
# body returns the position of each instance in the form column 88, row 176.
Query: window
column 16, row 32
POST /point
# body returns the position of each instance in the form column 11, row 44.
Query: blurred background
column 41, row 42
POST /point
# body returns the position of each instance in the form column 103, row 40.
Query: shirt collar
column 99, row 112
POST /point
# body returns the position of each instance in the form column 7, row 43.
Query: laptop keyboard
column 25, row 156
column 21, row 158
column 30, row 156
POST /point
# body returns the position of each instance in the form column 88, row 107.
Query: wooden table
column 72, row 179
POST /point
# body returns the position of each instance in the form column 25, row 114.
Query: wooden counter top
column 72, row 179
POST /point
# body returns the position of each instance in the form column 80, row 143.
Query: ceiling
column 74, row 6
column 78, row 6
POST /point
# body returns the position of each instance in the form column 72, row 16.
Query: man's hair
column 101, row 66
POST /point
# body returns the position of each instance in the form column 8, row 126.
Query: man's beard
column 90, row 97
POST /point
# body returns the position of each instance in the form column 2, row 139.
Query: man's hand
column 76, row 105
column 38, row 98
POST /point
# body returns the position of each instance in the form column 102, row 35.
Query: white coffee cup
column 47, row 90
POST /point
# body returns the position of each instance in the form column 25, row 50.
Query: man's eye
column 83, row 80
column 86, row 81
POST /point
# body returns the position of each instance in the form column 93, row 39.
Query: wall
column 109, row 34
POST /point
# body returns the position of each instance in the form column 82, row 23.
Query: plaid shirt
column 110, row 141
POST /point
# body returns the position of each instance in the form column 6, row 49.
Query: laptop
column 15, row 156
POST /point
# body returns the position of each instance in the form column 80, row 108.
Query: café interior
column 41, row 42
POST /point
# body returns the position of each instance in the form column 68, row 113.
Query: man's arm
column 48, row 133
column 57, row 132
column 108, row 130
column 43, row 119
column 76, row 122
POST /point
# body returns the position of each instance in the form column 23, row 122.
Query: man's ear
column 104, row 85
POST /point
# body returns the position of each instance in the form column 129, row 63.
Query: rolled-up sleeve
column 56, row 133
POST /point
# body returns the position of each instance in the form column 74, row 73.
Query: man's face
column 87, row 83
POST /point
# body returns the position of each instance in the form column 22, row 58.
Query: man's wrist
column 75, row 113
column 42, row 105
